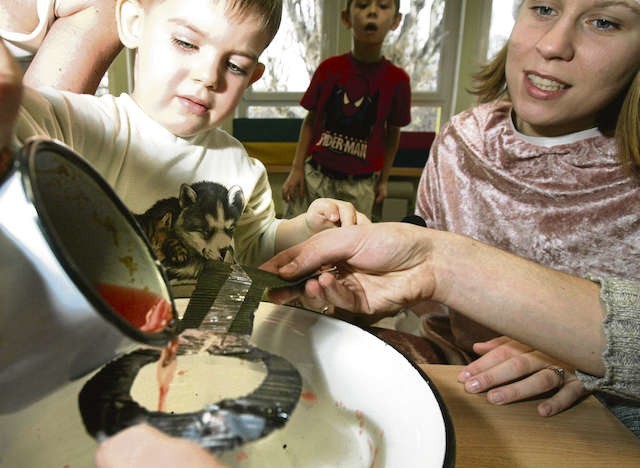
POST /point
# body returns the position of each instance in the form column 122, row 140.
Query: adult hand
column 510, row 371
column 382, row 267
column 293, row 186
column 143, row 446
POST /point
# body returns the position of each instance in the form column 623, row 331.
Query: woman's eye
column 605, row 25
column 184, row 44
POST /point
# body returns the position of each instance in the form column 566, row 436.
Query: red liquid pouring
column 166, row 371
column 148, row 312
column 144, row 310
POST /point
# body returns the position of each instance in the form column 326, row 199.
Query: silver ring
column 325, row 309
column 559, row 371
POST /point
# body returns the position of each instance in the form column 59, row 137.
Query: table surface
column 515, row 436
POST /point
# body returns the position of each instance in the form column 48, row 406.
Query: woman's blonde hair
column 621, row 118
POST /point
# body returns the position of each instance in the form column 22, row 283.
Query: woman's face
column 568, row 59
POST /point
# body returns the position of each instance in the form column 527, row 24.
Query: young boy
column 192, row 187
column 357, row 103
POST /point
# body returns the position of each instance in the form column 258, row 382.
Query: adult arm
column 387, row 266
column 78, row 49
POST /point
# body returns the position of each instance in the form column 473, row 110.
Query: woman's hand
column 381, row 267
column 510, row 371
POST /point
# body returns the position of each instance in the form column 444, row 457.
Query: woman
column 545, row 167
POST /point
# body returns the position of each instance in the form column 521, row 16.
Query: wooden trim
column 395, row 171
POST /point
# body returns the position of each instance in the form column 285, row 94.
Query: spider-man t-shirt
column 353, row 102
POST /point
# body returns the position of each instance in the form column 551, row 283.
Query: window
column 425, row 45
column 503, row 13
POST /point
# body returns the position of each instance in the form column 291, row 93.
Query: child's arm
column 323, row 213
column 391, row 143
column 293, row 186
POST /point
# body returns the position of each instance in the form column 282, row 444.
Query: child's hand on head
column 325, row 213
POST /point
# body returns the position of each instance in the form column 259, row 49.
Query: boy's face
column 371, row 20
column 193, row 62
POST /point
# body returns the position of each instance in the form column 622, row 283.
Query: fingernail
column 463, row 376
column 288, row 269
column 473, row 386
column 496, row 398
column 544, row 409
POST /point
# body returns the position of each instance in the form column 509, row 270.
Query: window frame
column 337, row 39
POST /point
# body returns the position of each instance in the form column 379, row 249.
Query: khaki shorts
column 360, row 192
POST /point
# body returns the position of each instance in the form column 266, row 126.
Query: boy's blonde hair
column 269, row 12
column 620, row 119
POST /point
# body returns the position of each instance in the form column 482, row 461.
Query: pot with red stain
column 78, row 278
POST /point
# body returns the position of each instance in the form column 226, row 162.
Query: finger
column 566, row 397
column 485, row 346
column 534, row 385
column 339, row 293
column 308, row 256
column 506, row 351
column 516, row 367
column 348, row 214
column 328, row 209
column 362, row 219
column 284, row 295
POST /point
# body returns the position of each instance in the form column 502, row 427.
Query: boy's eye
column 543, row 10
column 184, row 44
column 236, row 68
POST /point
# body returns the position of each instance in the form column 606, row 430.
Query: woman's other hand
column 510, row 371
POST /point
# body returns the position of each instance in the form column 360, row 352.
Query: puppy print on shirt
column 198, row 225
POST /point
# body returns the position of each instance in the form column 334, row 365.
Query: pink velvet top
column 570, row 206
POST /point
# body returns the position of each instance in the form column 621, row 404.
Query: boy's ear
column 129, row 17
column 257, row 73
column 396, row 21
column 346, row 19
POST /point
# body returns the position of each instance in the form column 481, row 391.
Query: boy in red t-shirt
column 357, row 103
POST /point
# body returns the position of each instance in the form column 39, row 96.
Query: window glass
column 502, row 17
column 294, row 54
column 416, row 44
column 311, row 30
